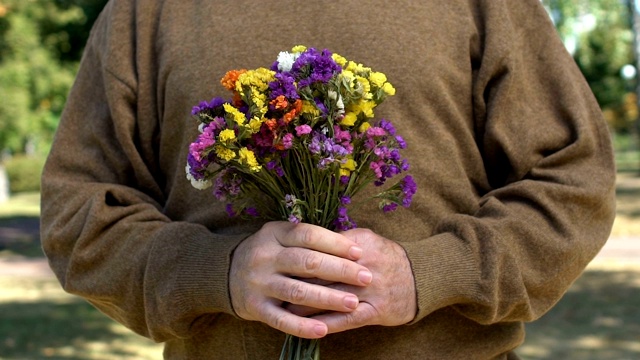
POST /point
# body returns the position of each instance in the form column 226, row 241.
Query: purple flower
column 389, row 207
column 290, row 200
column 409, row 188
column 230, row 211
column 344, row 222
column 274, row 166
column 315, row 147
column 320, row 105
column 212, row 107
column 284, row 85
column 339, row 150
column 325, row 162
column 226, row 185
column 251, row 211
column 388, row 127
column 401, row 143
column 287, row 141
column 313, row 67
column 345, row 200
column 294, row 219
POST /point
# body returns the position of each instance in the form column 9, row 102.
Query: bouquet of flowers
column 297, row 142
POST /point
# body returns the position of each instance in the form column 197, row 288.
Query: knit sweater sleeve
column 103, row 227
column 549, row 203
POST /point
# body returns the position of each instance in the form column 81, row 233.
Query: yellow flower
column 224, row 153
column 357, row 68
column 299, row 49
column 226, row 135
column 247, row 157
column 348, row 74
column 365, row 84
column 340, row 60
column 377, row 78
column 389, row 89
column 257, row 79
column 347, row 167
column 364, row 127
column 350, row 164
column 238, row 116
column 349, row 119
column 365, row 107
column 254, row 125
column 310, row 108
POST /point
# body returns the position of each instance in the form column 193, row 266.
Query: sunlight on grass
column 23, row 204
column 598, row 318
column 40, row 320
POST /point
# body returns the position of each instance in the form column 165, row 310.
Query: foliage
column 24, row 173
column 599, row 35
column 40, row 45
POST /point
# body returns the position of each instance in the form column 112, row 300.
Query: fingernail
column 320, row 330
column 365, row 277
column 355, row 252
column 351, row 302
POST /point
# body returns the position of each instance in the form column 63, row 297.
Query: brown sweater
column 512, row 158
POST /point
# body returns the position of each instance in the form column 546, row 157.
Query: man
column 510, row 152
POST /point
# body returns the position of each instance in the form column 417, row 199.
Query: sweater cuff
column 196, row 265
column 444, row 270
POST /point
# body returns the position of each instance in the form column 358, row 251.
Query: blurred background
column 41, row 43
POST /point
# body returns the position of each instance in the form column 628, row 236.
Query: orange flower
column 271, row 124
column 290, row 116
column 279, row 102
column 237, row 100
column 297, row 108
column 229, row 79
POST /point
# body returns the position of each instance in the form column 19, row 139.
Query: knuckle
column 312, row 262
column 346, row 270
column 306, row 235
column 297, row 293
column 278, row 321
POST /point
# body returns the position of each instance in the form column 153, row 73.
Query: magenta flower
column 303, row 130
column 287, row 141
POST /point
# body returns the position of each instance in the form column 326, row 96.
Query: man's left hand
column 389, row 300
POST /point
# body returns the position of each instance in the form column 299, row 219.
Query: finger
column 301, row 310
column 313, row 264
column 315, row 238
column 281, row 319
column 363, row 315
column 315, row 296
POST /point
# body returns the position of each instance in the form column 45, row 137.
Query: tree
column 598, row 33
column 41, row 42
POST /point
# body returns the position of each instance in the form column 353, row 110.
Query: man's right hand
column 265, row 268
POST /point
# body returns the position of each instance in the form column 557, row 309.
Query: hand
column 264, row 265
column 389, row 300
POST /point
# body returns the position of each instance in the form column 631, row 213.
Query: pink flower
column 376, row 131
column 303, row 130
column 287, row 141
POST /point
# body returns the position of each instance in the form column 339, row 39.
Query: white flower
column 201, row 127
column 198, row 184
column 286, row 60
column 333, row 95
